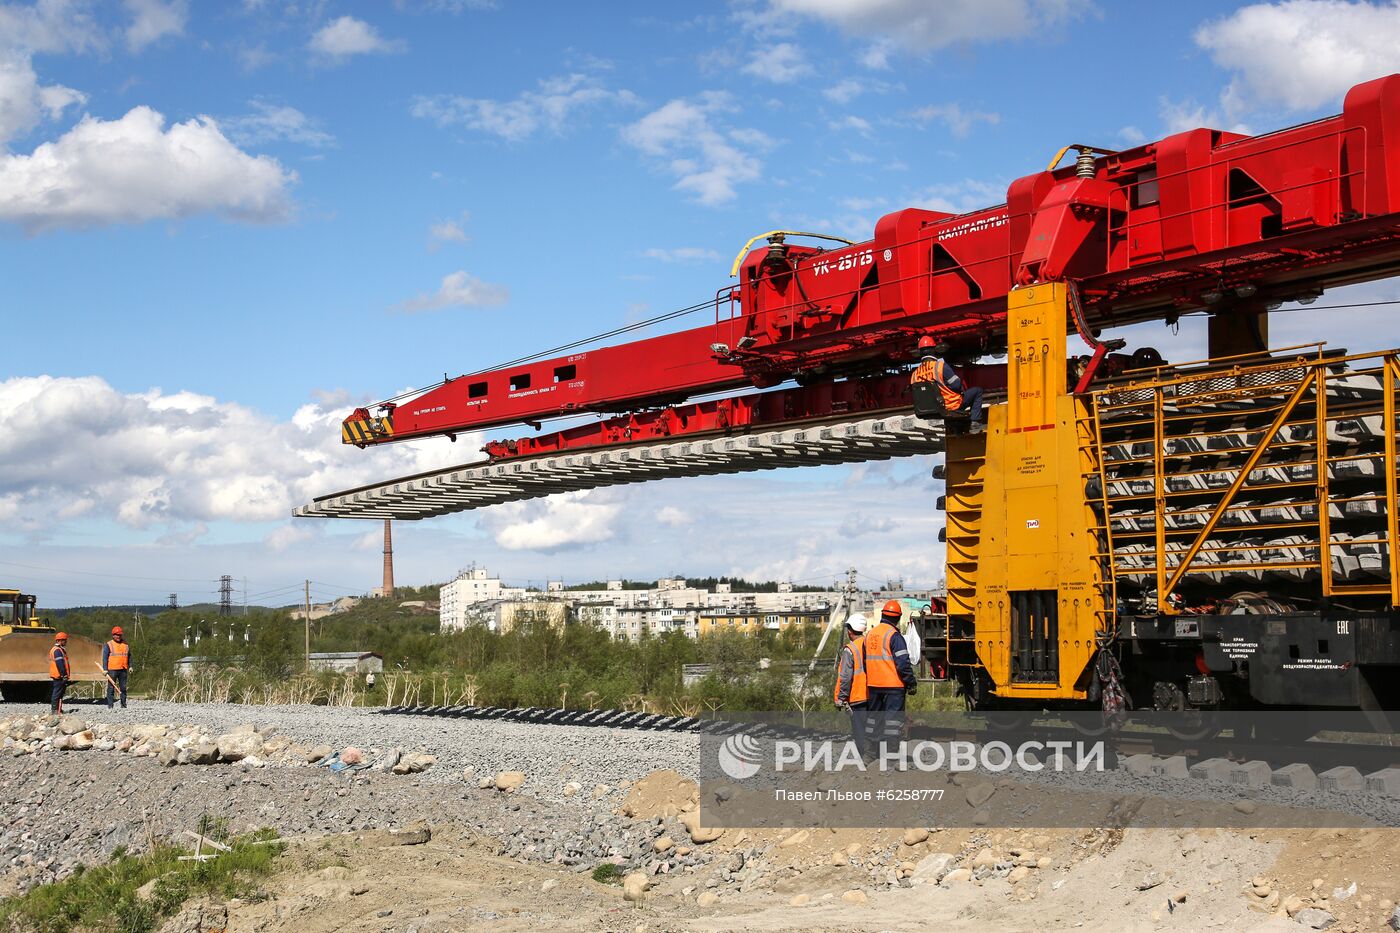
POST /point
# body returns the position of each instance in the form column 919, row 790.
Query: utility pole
column 307, row 620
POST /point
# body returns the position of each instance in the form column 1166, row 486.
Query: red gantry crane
column 807, row 361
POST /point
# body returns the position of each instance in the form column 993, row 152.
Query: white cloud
column 1301, row 54
column 548, row 107
column 961, row 197
column 459, row 290
column 23, row 101
column 558, row 523
column 876, row 57
column 682, row 254
column 959, row 122
column 857, row 524
column 672, row 517
column 346, row 36
column 152, row 20
column 133, row 170
column 1181, row 115
column 1132, row 136
column 688, row 139
column 446, row 231
column 781, row 63
column 851, row 122
column 269, row 123
column 285, row 537
column 921, row 25
column 153, row 459
column 848, row 89
column 49, row 26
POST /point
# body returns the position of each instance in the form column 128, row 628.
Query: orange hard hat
column 61, row 636
column 926, row 342
column 893, row 607
column 116, row 630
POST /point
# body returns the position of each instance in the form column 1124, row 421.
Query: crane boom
column 1201, row 220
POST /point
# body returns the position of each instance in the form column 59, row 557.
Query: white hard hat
column 855, row 623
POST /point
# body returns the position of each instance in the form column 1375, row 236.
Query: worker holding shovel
column 116, row 664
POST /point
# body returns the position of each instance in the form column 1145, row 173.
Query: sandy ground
column 1138, row 880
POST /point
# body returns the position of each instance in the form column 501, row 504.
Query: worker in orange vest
column 956, row 396
column 889, row 674
column 850, row 693
column 116, row 662
column 889, row 677
column 58, row 671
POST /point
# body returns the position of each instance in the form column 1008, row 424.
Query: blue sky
column 224, row 224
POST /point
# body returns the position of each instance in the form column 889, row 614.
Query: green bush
column 104, row 898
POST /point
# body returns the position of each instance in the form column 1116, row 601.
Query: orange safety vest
column 859, row 694
column 935, row 371
column 118, row 655
column 880, row 669
column 54, row 653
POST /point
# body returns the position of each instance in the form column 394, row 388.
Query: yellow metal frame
column 1036, row 532
column 1294, row 382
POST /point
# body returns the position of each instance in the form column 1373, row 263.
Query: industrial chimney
column 388, row 560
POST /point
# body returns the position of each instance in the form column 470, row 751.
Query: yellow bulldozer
column 24, row 651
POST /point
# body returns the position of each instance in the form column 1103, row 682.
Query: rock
column 1262, row 890
column 80, row 741
column 984, row 859
column 509, row 780
column 202, row 753
column 663, row 844
column 334, row 872
column 600, row 791
column 317, row 753
column 1292, row 904
column 707, row 899
column 572, row 788
column 1314, row 918
column 549, row 885
column 699, row 834
column 957, row 874
column 1246, row 806
column 800, row 900
column 839, row 858
column 71, row 725
column 168, row 757
column 855, row 896
column 933, row 867
column 1150, row 881
column 1044, row 861
column 147, row 890
column 235, row 746
column 913, row 837
column 198, row 918
column 359, row 888
column 387, row 761
column 634, row 886
column 414, row 835
column 1019, row 873
column 978, row 794
column 796, row 839
column 1394, row 921
column 486, row 783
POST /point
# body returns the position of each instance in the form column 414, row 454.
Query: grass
column 607, row 873
column 104, row 898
